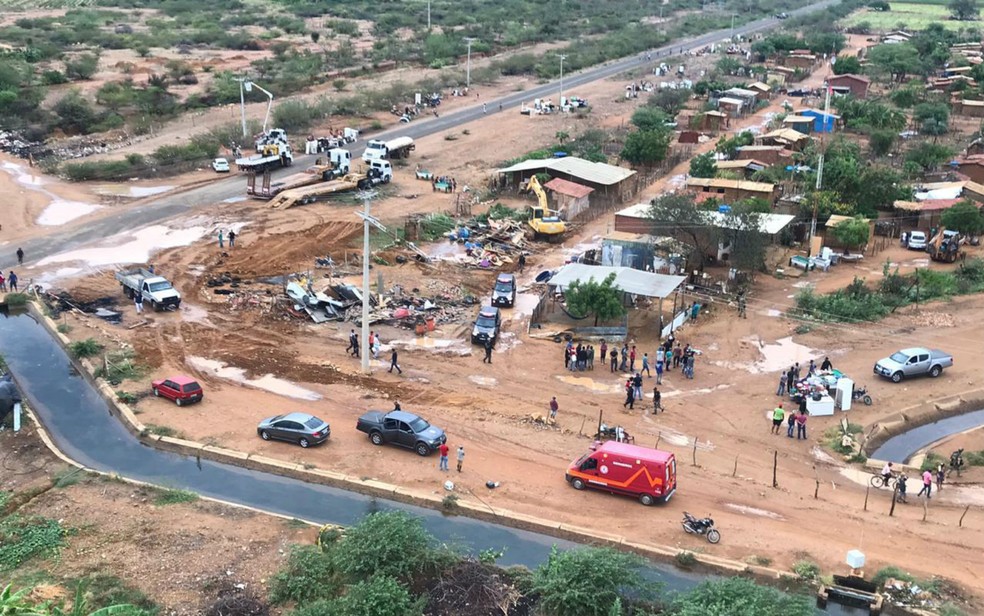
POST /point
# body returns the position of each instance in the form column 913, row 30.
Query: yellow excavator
column 945, row 246
column 545, row 223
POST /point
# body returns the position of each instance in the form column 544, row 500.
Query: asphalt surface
column 230, row 188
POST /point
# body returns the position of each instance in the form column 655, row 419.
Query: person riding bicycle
column 886, row 473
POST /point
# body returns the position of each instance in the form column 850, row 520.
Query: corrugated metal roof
column 596, row 173
column 785, row 133
column 742, row 92
column 768, row 223
column 571, row 189
column 758, row 85
column 731, row 101
column 797, row 119
column 627, row 279
column 836, row 219
column 735, row 184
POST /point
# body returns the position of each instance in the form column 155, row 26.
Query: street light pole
column 364, row 342
column 561, row 101
column 468, row 40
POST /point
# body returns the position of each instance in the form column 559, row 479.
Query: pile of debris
column 491, row 245
column 910, row 594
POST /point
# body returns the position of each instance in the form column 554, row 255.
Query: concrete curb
column 656, row 552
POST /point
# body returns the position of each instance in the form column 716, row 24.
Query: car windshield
column 313, row 423
column 503, row 287
column 419, row 425
column 160, row 286
column 899, row 357
column 917, row 235
column 485, row 321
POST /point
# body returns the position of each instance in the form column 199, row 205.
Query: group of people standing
column 581, row 357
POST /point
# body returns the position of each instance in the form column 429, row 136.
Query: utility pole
column 813, row 223
column 242, row 101
column 733, row 25
column 468, row 40
column 561, row 101
column 428, row 15
column 367, row 197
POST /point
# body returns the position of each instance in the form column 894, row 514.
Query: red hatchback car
column 181, row 389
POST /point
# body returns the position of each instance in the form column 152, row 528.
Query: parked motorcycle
column 861, row 393
column 701, row 527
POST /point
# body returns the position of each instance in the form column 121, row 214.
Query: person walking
column 625, row 358
column 488, row 351
column 826, row 366
column 12, row 280
column 801, row 425
column 790, row 424
column 614, row 360
column 138, row 301
column 353, row 343
column 461, row 457
column 20, row 256
column 637, row 386
column 376, row 344
column 694, row 311
column 485, row 108
column 659, row 370
column 632, row 358
column 554, row 407
column 940, row 476
column 443, row 462
column 677, row 355
column 221, row 238
column 3, row 283
column 927, row 478
column 567, row 354
column 629, row 395
column 782, row 384
column 796, row 371
column 232, row 238
column 604, row 351
column 522, row 262
column 778, row 414
column 393, row 361
column 657, row 401
column 645, row 363
column 901, row 488
column 590, row 357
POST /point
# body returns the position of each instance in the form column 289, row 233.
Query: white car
column 220, row 165
column 917, row 241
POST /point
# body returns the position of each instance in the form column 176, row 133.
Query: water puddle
column 803, row 284
column 592, row 385
column 135, row 247
column 772, row 312
column 679, row 393
column 483, row 381
column 437, row 345
column 820, row 455
column 49, row 278
column 266, row 382
column 239, row 199
column 193, row 313
column 762, row 513
column 59, row 212
column 781, row 355
column 133, row 192
column 448, row 251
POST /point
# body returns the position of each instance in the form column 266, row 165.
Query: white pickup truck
column 913, row 362
column 155, row 289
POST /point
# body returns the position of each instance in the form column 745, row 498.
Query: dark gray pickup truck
column 403, row 429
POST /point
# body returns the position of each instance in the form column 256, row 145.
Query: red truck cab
column 621, row 468
column 181, row 389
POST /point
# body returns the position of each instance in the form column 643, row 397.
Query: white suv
column 917, row 240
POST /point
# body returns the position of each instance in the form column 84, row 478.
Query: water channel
column 903, row 446
column 80, row 423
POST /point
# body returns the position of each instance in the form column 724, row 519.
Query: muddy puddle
column 592, row 385
column 132, row 192
column 130, row 247
column 775, row 357
column 483, row 381
column 451, row 346
column 267, row 382
column 58, row 211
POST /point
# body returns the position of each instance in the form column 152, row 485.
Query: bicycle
column 879, row 481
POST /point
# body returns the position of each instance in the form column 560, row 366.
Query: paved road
column 221, row 190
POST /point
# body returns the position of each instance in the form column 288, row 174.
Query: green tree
column 601, row 299
column 852, row 233
column 825, row 203
column 847, row 65
column 378, row 595
column 928, row 155
column 650, row 118
column 82, row 67
column 881, row 141
column 964, row 217
column 964, row 10
column 741, row 228
column 879, row 187
column 729, row 145
column 898, row 60
column 931, row 111
column 677, row 215
column 703, row 165
column 75, row 113
column 646, row 147
column 739, row 597
column 589, row 581
column 669, row 100
column 561, row 136
column 309, row 575
column 388, row 543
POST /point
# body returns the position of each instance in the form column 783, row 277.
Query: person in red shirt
column 443, row 450
column 801, row 426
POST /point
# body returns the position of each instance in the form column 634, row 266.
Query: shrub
column 24, row 538
column 119, row 366
column 82, row 67
column 162, row 431
column 891, row 572
column 85, row 348
column 380, row 596
column 589, row 581
column 64, row 328
column 807, row 570
column 173, row 497
column 391, row 543
column 127, row 397
column 686, row 559
column 53, row 78
column 14, row 300
column 739, row 597
column 309, row 575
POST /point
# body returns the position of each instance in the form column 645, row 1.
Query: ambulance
column 621, row 468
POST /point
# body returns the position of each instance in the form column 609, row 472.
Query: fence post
column 695, row 451
column 962, row 515
column 775, row 466
column 867, row 490
column 734, row 472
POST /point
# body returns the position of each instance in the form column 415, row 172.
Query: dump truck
column 544, row 222
column 338, row 164
column 392, row 149
column 154, row 289
column 270, row 156
column 945, row 246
